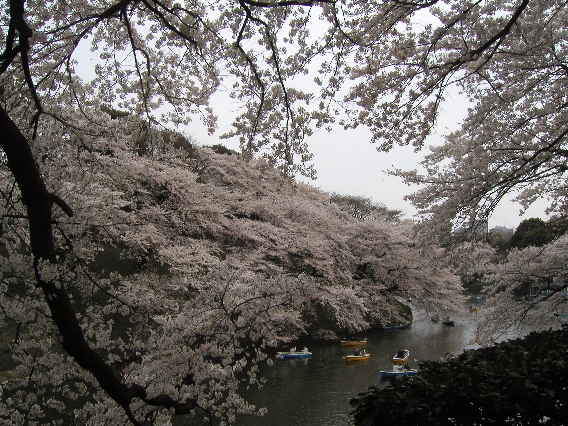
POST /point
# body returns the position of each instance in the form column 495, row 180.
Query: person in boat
column 293, row 349
column 448, row 319
column 406, row 366
column 400, row 353
column 305, row 350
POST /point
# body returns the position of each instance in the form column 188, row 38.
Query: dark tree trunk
column 39, row 203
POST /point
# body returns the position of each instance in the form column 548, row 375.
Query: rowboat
column 293, row 355
column 473, row 309
column 354, row 342
column 401, row 358
column 353, row 358
column 397, row 371
column 395, row 327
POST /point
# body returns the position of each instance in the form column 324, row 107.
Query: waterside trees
column 75, row 182
column 172, row 273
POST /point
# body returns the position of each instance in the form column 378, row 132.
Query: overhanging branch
column 39, row 204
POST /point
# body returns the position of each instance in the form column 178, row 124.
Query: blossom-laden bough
column 75, row 181
column 176, row 275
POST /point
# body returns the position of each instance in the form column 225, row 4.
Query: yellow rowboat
column 357, row 342
column 354, row 358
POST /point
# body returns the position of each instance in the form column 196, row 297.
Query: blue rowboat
column 293, row 355
column 397, row 371
column 395, row 327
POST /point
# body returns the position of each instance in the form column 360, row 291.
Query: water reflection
column 316, row 391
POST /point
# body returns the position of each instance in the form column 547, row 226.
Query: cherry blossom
column 144, row 281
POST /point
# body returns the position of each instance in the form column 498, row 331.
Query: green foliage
column 519, row 382
column 499, row 240
column 153, row 141
column 8, row 335
column 404, row 315
column 116, row 260
column 178, row 141
column 149, row 141
column 532, row 232
column 222, row 149
column 477, row 283
column 115, row 114
column 559, row 225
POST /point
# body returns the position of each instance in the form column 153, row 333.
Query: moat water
column 316, row 391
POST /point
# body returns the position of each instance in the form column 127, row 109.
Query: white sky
column 347, row 163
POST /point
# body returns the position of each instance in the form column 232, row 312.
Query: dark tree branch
column 496, row 39
column 39, row 202
column 286, row 3
column 254, row 71
column 273, row 51
column 18, row 25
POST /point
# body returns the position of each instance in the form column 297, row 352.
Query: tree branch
column 39, row 203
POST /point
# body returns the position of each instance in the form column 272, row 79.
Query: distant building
column 478, row 229
column 507, row 232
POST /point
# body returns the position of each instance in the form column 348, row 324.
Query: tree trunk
column 39, row 204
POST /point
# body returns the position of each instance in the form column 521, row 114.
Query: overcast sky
column 347, row 163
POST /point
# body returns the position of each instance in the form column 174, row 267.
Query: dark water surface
column 316, row 391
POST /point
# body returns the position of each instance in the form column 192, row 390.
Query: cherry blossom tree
column 513, row 311
column 366, row 209
column 232, row 259
column 507, row 61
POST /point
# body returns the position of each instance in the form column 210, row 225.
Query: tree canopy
column 177, row 273
column 75, row 181
column 387, row 65
column 366, row 209
column 532, row 232
column 509, row 61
